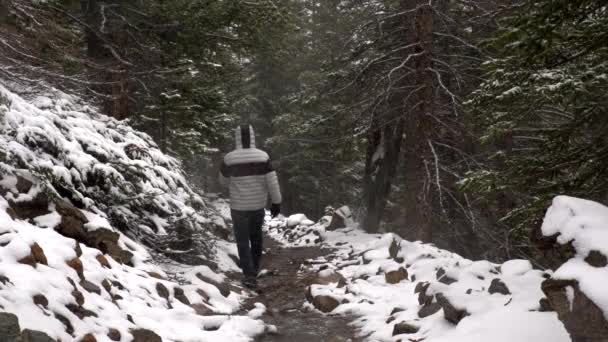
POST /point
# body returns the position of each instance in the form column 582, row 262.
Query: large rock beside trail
column 498, row 286
column 35, row 257
column 429, row 309
column 321, row 302
column 325, row 303
column 145, row 335
column 9, row 327
column 583, row 319
column 341, row 218
column 72, row 222
column 405, row 328
column 35, row 336
column 452, row 314
column 576, row 290
column 10, row 331
column 396, row 276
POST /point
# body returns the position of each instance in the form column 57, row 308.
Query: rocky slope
column 95, row 227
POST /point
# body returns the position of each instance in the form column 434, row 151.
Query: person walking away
column 250, row 177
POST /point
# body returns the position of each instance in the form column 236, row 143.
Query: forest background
column 449, row 121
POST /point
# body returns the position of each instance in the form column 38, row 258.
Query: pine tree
column 542, row 111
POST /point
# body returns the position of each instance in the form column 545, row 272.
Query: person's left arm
column 224, row 174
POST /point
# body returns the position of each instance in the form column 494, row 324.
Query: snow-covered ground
column 51, row 295
column 79, row 192
column 409, row 291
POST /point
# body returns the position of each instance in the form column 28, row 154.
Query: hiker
column 248, row 173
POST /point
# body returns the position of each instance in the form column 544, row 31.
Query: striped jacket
column 248, row 173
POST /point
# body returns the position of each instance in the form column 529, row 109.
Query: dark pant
column 249, row 240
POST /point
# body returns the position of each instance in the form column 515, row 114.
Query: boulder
column 114, row 334
column 103, row 261
column 582, row 318
column 325, row 303
column 35, row 257
column 78, row 297
column 596, row 259
column 78, row 249
column 145, row 335
column 451, row 313
column 544, row 305
column 404, row 328
column 76, row 264
column 203, row 294
column 443, row 278
column 90, row 287
column 40, row 299
column 107, row 285
column 155, row 275
column 162, row 290
column 26, row 210
column 179, row 294
column 35, row 336
column 72, row 220
column 498, row 286
column 555, row 253
column 73, row 225
column 4, row 280
column 69, row 328
column 202, row 309
column 80, row 311
column 88, row 338
column 38, row 254
column 429, row 309
column 393, row 249
column 341, row 218
column 9, row 327
column 394, row 277
column 23, row 184
column 107, row 242
column 423, row 297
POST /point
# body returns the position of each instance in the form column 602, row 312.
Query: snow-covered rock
column 341, row 218
column 577, row 289
column 296, row 230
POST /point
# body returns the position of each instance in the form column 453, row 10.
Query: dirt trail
column 283, row 294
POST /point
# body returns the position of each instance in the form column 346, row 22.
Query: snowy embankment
column 79, row 193
column 408, row 291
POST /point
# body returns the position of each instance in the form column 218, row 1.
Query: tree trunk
column 163, row 131
column 3, row 12
column 422, row 163
column 120, row 83
column 95, row 49
column 113, row 80
column 382, row 158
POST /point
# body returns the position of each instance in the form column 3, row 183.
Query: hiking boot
column 250, row 283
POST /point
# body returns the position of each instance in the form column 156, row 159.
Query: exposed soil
column 283, row 294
